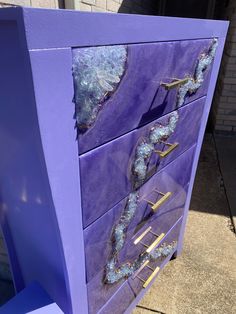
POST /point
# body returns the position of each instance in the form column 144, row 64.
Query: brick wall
column 223, row 113
column 120, row 6
column 33, row 3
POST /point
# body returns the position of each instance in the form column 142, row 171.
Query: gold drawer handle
column 155, row 243
column 136, row 241
column 169, row 150
column 175, row 83
column 164, row 198
column 151, row 277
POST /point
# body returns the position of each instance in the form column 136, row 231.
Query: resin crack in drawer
column 99, row 292
column 110, row 172
column 98, row 236
column 108, row 81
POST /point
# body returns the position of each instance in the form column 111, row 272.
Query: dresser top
column 47, row 28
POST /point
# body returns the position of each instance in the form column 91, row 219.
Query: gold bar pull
column 136, row 241
column 155, row 206
column 169, row 150
column 139, row 270
column 148, row 281
column 155, row 243
column 175, row 83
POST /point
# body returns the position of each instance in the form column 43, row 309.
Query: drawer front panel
column 99, row 292
column 108, row 173
column 117, row 304
column 146, row 276
column 98, row 237
column 98, row 242
column 119, row 88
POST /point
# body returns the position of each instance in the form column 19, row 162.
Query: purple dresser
column 102, row 118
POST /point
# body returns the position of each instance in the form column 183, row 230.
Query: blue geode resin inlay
column 193, row 84
column 97, row 72
column 158, row 134
column 144, row 150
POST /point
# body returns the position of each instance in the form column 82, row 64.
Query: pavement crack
column 148, row 309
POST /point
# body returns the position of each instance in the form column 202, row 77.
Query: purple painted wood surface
column 119, row 302
column 25, row 198
column 106, row 171
column 44, row 28
column 45, row 148
column 100, row 293
column 58, row 137
column 40, row 198
column 33, row 299
column 97, row 236
column 99, row 242
column 139, row 94
column 173, row 235
column 210, row 93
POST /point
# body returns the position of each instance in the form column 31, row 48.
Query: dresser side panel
column 52, row 78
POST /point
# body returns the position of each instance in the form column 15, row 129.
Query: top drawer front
column 107, row 172
column 117, row 88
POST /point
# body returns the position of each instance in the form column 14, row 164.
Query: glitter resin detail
column 193, row 84
column 158, row 134
column 114, row 274
column 97, row 72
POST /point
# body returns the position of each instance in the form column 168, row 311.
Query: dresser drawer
column 108, row 173
column 119, row 88
column 120, row 301
column 99, row 240
column 98, row 236
column 100, row 292
column 145, row 276
column 105, row 302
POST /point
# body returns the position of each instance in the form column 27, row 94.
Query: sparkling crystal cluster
column 97, row 72
column 126, row 217
column 192, row 85
column 158, row 134
column 114, row 273
column 144, row 150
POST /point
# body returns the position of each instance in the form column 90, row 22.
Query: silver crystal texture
column 114, row 274
column 97, row 72
column 120, row 229
column 192, row 85
column 158, row 134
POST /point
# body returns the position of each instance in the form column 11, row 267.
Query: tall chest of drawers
column 102, row 118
